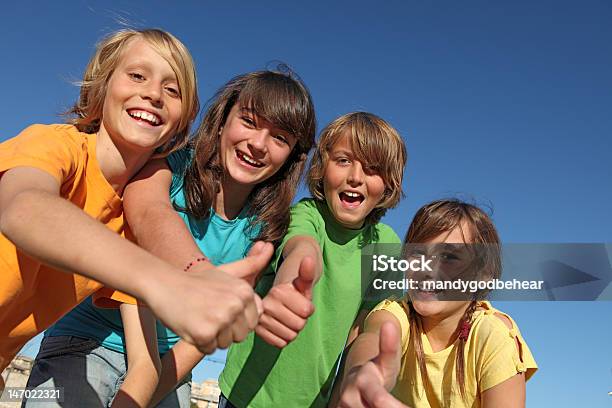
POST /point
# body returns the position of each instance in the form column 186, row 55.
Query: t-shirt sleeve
column 504, row 353
column 398, row 310
column 387, row 243
column 178, row 162
column 108, row 298
column 305, row 220
column 44, row 147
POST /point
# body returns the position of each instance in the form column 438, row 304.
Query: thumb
column 387, row 359
column 305, row 279
column 255, row 262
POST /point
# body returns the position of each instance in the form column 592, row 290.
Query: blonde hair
column 88, row 109
column 376, row 144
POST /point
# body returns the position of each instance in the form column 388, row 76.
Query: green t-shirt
column 301, row 375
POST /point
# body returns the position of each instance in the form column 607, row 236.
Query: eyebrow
column 246, row 109
column 143, row 64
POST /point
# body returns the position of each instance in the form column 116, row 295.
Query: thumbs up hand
column 368, row 385
column 287, row 307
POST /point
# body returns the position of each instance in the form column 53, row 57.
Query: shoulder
column 386, row 234
column 399, row 310
column 56, row 149
column 491, row 322
column 306, row 210
column 56, row 132
column 395, row 307
column 306, row 204
column 499, row 342
column 179, row 160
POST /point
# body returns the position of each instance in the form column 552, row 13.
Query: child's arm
column 176, row 364
column 508, row 394
column 54, row 231
column 373, row 364
column 288, row 304
column 158, row 228
column 143, row 363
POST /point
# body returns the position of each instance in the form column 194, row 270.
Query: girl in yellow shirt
column 426, row 352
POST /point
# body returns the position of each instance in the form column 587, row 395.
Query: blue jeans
column 89, row 374
column 224, row 402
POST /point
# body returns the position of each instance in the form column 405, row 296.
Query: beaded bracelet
column 195, row 261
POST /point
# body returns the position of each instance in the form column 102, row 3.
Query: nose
column 258, row 141
column 152, row 91
column 355, row 176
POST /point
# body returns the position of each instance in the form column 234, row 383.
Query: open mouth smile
column 351, row 199
column 145, row 116
column 248, row 160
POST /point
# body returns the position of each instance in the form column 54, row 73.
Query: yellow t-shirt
column 34, row 296
column 491, row 357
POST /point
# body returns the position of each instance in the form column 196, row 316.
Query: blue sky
column 507, row 103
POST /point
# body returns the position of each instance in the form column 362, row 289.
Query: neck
column 231, row 199
column 118, row 165
column 441, row 331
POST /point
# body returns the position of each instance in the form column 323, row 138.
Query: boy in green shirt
column 355, row 176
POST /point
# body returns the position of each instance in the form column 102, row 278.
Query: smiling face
column 252, row 149
column 452, row 261
column 142, row 106
column 351, row 189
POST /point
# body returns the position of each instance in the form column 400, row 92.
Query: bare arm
column 289, row 303
column 508, row 394
column 56, row 232
column 156, row 225
column 353, row 334
column 176, row 364
column 372, row 364
column 143, row 364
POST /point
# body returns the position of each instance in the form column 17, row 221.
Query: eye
column 343, row 161
column 136, row 76
column 281, row 139
column 249, row 121
column 372, row 169
column 173, row 91
column 448, row 256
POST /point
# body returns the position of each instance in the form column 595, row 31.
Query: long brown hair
column 430, row 221
column 281, row 99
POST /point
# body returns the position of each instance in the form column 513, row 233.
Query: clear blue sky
column 504, row 102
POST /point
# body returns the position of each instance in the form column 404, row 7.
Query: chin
column 428, row 307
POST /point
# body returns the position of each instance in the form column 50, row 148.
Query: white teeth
column 250, row 160
column 149, row 117
column 351, row 194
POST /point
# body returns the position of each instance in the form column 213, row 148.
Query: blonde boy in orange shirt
column 61, row 208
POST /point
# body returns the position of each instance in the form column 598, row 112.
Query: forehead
column 139, row 52
column 342, row 143
column 458, row 235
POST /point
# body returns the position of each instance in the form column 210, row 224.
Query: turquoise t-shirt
column 259, row 375
column 222, row 241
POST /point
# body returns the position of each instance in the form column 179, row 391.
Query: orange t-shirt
column 34, row 296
